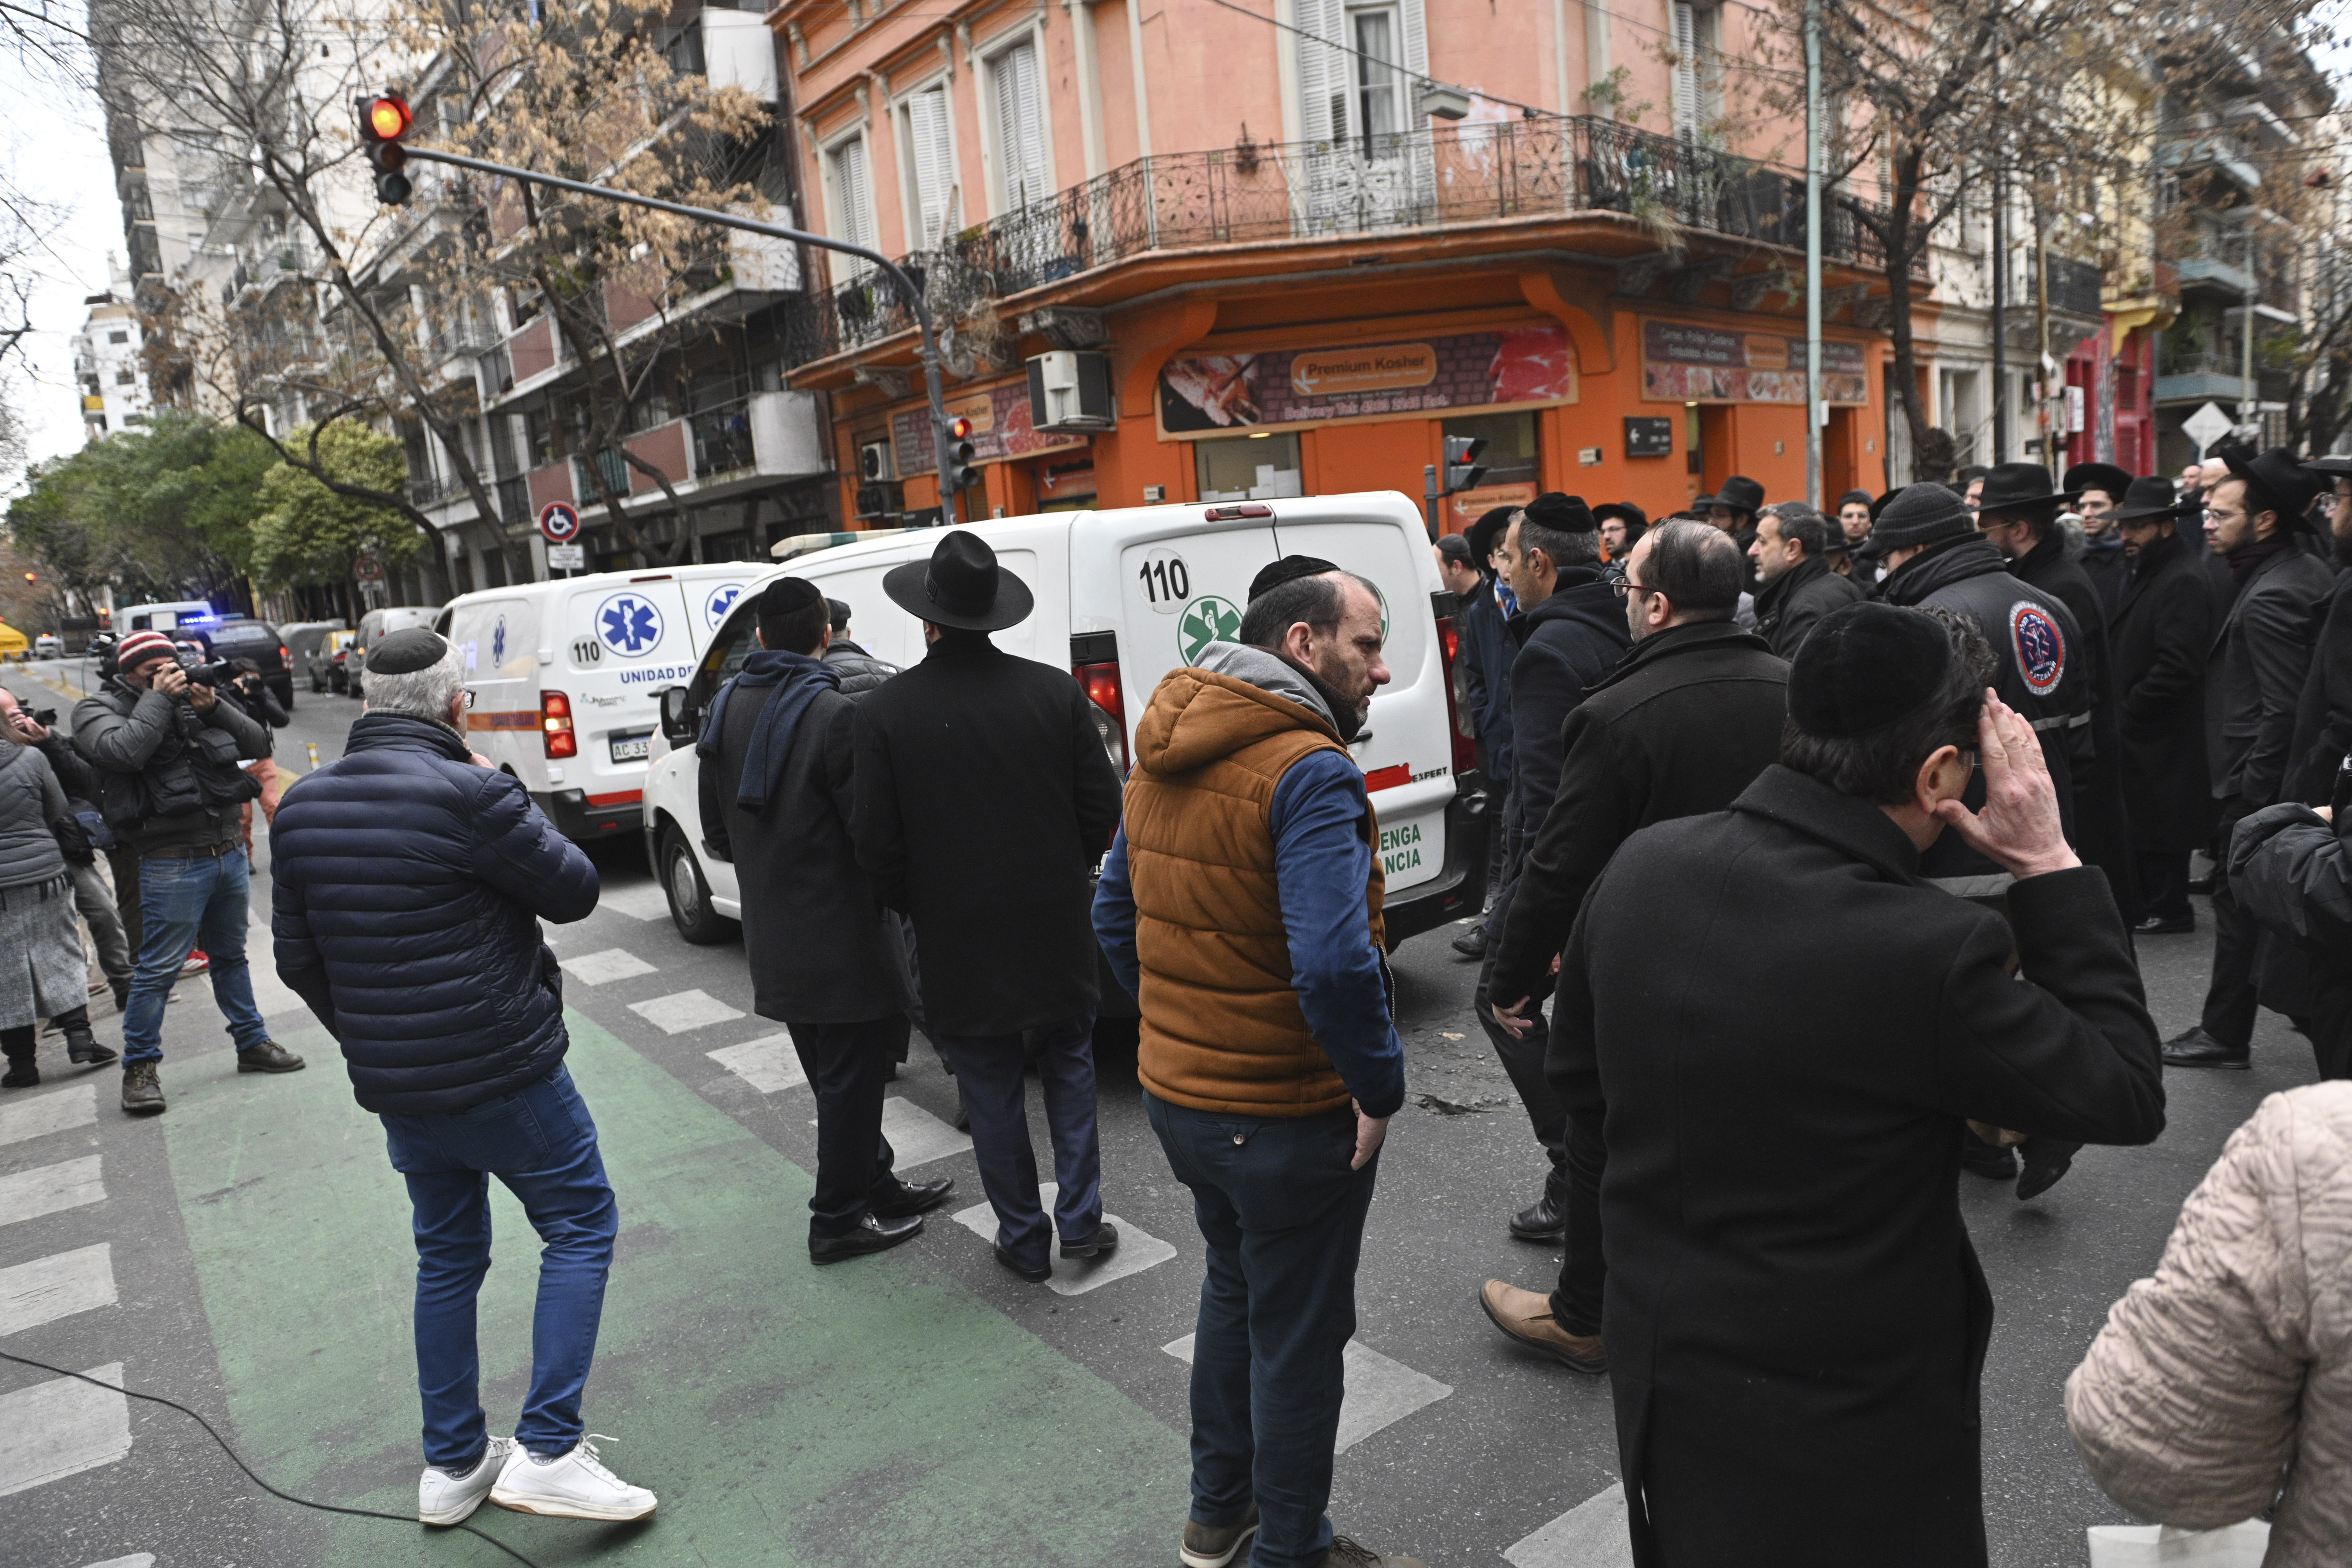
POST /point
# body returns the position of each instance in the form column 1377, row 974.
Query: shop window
column 1248, row 468
column 1511, row 457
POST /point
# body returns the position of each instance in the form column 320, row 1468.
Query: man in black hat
column 985, row 799
column 1796, row 1321
column 2255, row 679
column 1621, row 526
column 1935, row 559
column 2161, row 636
column 2323, row 718
column 860, row 671
column 776, row 784
column 1733, row 508
column 2018, row 512
column 1796, row 587
column 1484, row 670
column 2098, row 490
column 1572, row 631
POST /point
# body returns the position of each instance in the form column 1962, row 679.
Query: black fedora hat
column 2288, row 485
column 2008, row 486
column 2151, row 497
column 1737, row 493
column 2334, row 467
column 1487, row 532
column 2104, row 476
column 961, row 586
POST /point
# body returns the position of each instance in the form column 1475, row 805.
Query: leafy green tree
column 310, row 529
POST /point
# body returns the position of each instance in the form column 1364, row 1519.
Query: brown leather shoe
column 1215, row 1545
column 1525, row 1318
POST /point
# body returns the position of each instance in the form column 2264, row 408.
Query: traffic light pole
column 950, row 509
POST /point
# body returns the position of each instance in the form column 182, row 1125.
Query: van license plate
column 631, row 748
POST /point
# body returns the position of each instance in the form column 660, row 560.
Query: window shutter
column 852, row 194
column 1685, row 84
column 1323, row 71
column 934, row 166
column 1020, row 124
column 1416, row 63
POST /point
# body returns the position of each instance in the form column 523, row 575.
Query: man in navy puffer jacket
column 411, row 879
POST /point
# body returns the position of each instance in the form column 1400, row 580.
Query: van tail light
column 1449, row 649
column 1102, row 689
column 555, row 721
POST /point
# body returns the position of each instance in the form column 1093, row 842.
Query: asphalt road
column 246, row 1255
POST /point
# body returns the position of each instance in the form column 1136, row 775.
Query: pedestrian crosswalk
column 48, row 1189
column 52, row 1113
column 1380, row 1391
column 48, row 1288
column 604, row 968
column 916, row 1137
column 644, row 901
column 768, row 1064
column 1589, row 1535
column 674, row 1014
column 62, row 1427
column 1137, row 1252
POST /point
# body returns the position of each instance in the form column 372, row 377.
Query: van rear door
column 1407, row 752
column 1177, row 582
column 624, row 640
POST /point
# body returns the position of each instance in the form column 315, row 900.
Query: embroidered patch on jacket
column 2040, row 645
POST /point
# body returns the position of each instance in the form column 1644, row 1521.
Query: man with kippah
column 411, row 879
column 1795, row 1319
column 1571, row 632
column 165, row 749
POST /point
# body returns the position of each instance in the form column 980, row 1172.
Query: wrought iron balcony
column 1433, row 180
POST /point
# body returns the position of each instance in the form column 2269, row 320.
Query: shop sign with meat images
column 1683, row 363
column 1517, row 367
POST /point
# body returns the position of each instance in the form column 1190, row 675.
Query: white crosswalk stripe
column 56, row 1287
column 51, row 1113
column 602, row 968
column 768, row 1064
column 136, row 1560
column 916, row 1137
column 1137, row 1250
column 1380, row 1391
column 1589, row 1535
column 47, row 1189
column 60, row 1429
column 645, row 902
column 271, row 995
column 674, row 1014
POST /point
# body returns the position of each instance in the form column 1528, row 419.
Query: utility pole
column 950, row 509
column 1999, row 261
column 2250, row 414
column 1813, row 254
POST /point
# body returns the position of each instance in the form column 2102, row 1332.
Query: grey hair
column 421, row 693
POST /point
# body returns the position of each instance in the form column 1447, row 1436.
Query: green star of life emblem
column 1205, row 620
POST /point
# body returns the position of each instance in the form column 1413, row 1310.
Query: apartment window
column 1377, row 86
column 1698, row 67
column 925, row 134
column 1248, row 468
column 1024, row 169
column 852, row 194
column 124, row 377
column 117, row 337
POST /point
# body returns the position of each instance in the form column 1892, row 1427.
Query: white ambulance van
column 567, row 676
column 1122, row 598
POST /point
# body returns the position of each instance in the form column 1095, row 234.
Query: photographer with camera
column 166, row 748
column 80, row 834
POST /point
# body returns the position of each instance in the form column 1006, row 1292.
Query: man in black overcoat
column 985, row 799
column 1686, row 720
column 776, row 794
column 1790, row 561
column 2260, row 655
column 2099, row 492
column 1796, row 1321
column 2018, row 510
column 2323, row 717
column 2160, row 641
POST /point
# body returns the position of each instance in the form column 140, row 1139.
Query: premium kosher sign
column 1683, row 363
column 1000, row 428
column 1206, row 393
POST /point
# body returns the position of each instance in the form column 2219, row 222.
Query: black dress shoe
column 267, row 1056
column 1540, row 1221
column 1996, row 1162
column 2158, row 925
column 873, row 1234
column 2195, row 1048
column 1472, row 943
column 913, row 1198
column 2045, row 1160
column 2201, row 885
column 1034, row 1276
column 1104, row 1239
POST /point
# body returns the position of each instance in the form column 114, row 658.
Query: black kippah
column 1289, row 569
column 1564, row 513
column 1863, row 668
column 406, row 651
column 785, row 594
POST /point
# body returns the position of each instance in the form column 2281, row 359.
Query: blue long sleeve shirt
column 1321, row 863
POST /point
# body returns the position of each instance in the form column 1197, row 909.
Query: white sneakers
column 574, row 1486
column 445, row 1499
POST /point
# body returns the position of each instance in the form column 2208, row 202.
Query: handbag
column 2147, row 1545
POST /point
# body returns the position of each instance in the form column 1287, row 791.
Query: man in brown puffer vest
column 1241, row 904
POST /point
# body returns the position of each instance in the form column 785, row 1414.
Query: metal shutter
column 1020, row 125
column 931, row 151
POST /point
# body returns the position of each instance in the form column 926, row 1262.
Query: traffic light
column 1462, row 469
column 383, row 121
column 960, row 474
column 31, row 578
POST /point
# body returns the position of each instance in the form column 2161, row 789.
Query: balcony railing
column 1424, row 179
column 723, row 440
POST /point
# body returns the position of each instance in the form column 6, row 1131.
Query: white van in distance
column 566, row 676
column 1122, row 598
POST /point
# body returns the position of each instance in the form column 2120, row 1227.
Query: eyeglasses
column 2214, row 514
column 1623, row 588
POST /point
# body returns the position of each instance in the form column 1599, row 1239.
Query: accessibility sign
column 560, row 521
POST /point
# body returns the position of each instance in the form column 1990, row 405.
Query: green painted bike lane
column 870, row 1414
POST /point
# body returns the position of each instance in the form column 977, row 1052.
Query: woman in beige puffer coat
column 2224, row 1383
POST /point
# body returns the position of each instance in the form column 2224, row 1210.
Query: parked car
column 302, row 639
column 48, row 644
column 327, row 666
column 242, row 637
column 376, row 626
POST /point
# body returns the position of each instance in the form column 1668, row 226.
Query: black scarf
column 798, row 679
column 2247, row 557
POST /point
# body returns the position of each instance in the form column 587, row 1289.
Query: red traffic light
column 960, row 429
column 30, row 577
column 386, row 119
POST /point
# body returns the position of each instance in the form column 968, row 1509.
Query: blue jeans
column 540, row 1142
column 1284, row 1218
column 987, row 1069
column 201, row 901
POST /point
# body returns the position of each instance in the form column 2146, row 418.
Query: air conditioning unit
column 882, row 499
column 876, row 463
column 1069, row 389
